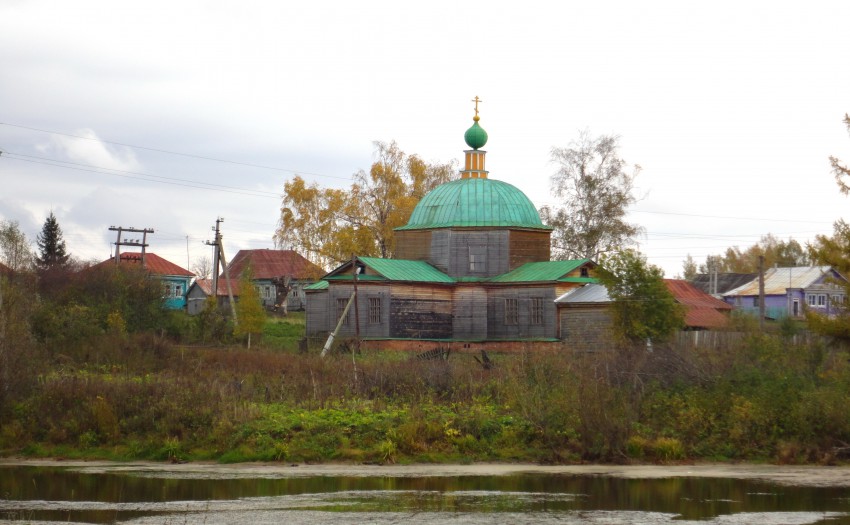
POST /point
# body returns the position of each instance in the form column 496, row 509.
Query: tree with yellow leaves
column 329, row 225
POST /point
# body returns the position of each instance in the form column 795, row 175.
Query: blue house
column 787, row 291
column 175, row 280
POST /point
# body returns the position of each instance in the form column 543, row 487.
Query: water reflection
column 67, row 494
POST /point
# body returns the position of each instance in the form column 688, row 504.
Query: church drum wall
column 413, row 245
column 492, row 244
column 528, row 246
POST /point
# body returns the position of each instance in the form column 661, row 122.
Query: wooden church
column 473, row 270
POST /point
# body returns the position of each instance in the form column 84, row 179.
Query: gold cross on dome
column 476, row 100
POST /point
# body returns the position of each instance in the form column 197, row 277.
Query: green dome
column 475, row 136
column 474, row 202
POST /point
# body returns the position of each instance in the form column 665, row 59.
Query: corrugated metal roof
column 539, row 271
column 153, row 263
column 701, row 309
column 725, row 281
column 778, row 280
column 404, row 270
column 700, row 317
column 686, row 293
column 268, row 264
column 474, row 202
column 589, row 293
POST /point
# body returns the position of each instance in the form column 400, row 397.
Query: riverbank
column 804, row 476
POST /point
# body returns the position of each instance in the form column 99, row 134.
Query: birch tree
column 595, row 188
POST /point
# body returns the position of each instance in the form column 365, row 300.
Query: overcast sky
column 166, row 115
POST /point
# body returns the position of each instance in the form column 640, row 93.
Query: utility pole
column 356, row 269
column 215, row 244
column 130, row 242
column 761, row 292
column 219, row 259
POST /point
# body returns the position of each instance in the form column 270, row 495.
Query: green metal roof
column 539, row 271
column 474, row 202
column 319, row 285
column 404, row 270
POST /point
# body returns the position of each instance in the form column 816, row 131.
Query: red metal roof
column 153, row 263
column 701, row 309
column 267, row 264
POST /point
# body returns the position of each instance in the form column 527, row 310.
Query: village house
column 279, row 275
column 787, row 290
column 175, row 280
column 473, row 269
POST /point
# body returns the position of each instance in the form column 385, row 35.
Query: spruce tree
column 51, row 246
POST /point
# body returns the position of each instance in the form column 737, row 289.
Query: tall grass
column 141, row 396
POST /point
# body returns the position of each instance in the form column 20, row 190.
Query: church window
column 374, row 310
column 477, row 259
column 537, row 310
column 511, row 316
column 340, row 308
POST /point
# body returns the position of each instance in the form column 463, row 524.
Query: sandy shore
column 787, row 475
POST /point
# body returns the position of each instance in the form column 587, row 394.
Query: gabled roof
column 206, row 285
column 545, row 271
column 392, row 270
column 268, row 264
column 778, row 280
column 153, row 263
column 701, row 310
column 589, row 293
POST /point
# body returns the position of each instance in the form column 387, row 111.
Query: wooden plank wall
column 497, row 329
column 586, row 329
column 494, row 243
column 469, row 312
column 317, row 312
column 413, row 245
column 420, row 312
column 528, row 246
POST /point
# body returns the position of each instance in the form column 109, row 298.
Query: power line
column 169, row 152
column 137, row 176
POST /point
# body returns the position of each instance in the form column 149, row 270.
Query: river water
column 130, row 494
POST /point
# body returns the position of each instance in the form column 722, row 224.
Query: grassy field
column 768, row 397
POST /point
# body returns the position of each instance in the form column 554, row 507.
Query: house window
column 178, row 290
column 537, row 310
column 821, row 299
column 168, row 290
column 737, row 301
column 812, row 299
column 511, row 317
column 374, row 310
column 340, row 308
column 267, row 292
